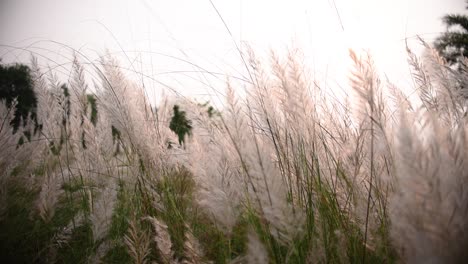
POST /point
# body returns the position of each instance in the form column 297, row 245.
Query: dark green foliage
column 217, row 246
column 16, row 229
column 176, row 192
column 119, row 227
column 16, row 83
column 115, row 134
column 453, row 44
column 25, row 238
column 180, row 124
column 209, row 109
column 79, row 247
column 66, row 104
column 92, row 102
column 116, row 138
column 176, row 197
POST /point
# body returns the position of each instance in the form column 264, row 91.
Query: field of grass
column 281, row 173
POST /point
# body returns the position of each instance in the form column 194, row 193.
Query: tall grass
column 284, row 173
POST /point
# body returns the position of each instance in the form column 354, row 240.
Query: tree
column 209, row 109
column 180, row 124
column 453, row 44
column 16, row 84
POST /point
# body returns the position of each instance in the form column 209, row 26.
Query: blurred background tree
column 453, row 44
column 16, row 84
column 180, row 124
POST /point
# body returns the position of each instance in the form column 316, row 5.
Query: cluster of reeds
column 284, row 173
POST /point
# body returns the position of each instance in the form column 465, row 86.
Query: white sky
column 158, row 35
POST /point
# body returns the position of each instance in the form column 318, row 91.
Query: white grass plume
column 102, row 210
column 137, row 242
column 162, row 239
column 428, row 210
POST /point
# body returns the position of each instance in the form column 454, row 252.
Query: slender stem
column 371, row 170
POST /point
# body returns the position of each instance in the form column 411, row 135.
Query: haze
column 163, row 40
